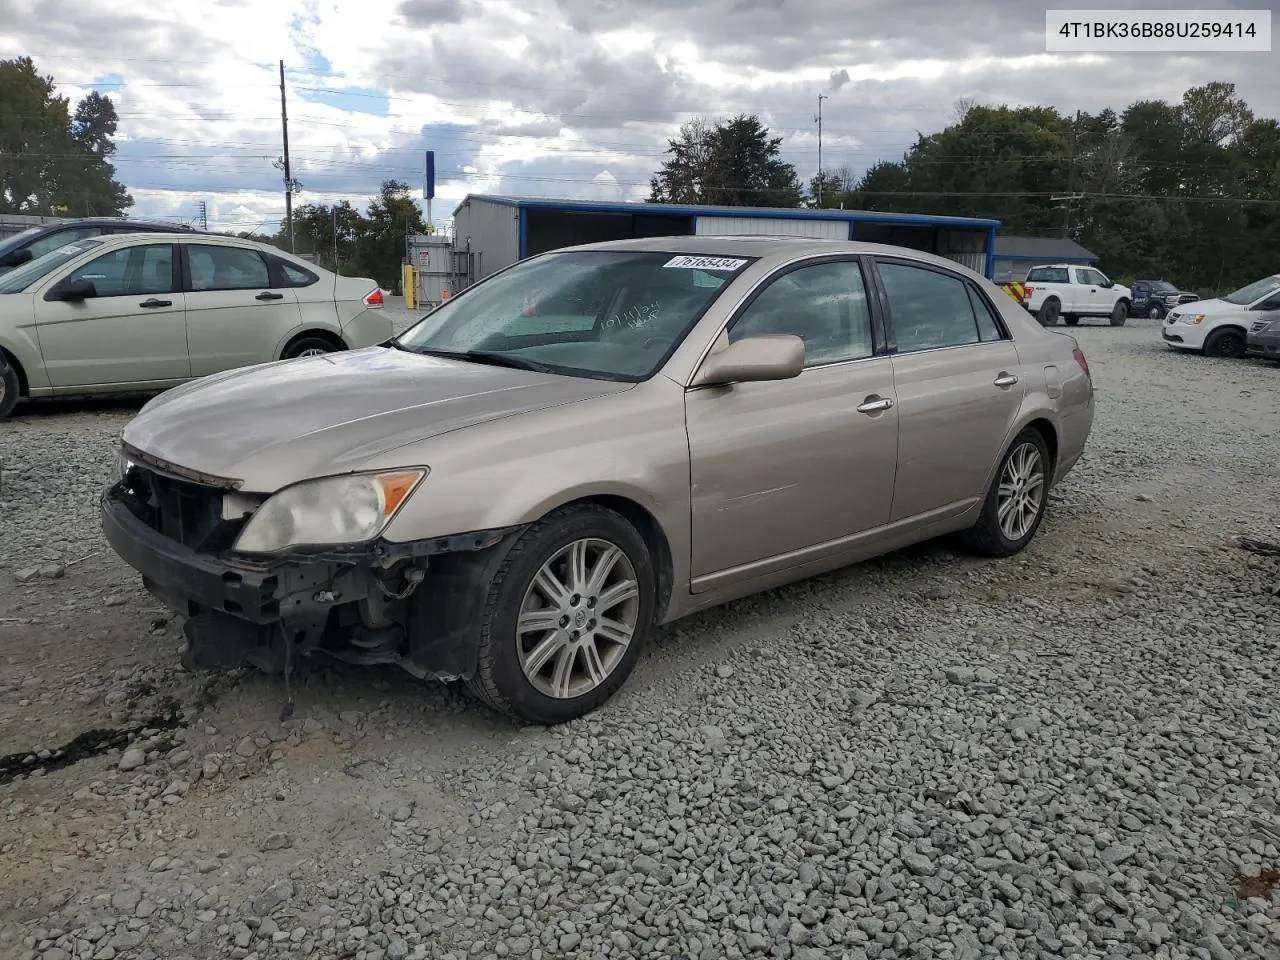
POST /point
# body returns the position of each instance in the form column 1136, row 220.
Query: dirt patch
column 1263, row 885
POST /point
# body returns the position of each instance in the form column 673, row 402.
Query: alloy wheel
column 313, row 352
column 577, row 618
column 1021, row 492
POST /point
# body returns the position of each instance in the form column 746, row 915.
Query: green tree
column 51, row 161
column 380, row 244
column 732, row 162
column 91, row 188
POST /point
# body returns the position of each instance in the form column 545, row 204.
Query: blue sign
column 429, row 177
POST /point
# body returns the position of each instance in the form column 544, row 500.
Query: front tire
column 1226, row 342
column 1155, row 313
column 1072, row 321
column 10, row 388
column 1119, row 314
column 567, row 616
column 1017, row 499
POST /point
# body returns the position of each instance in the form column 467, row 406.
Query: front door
column 234, row 316
column 959, row 385
column 132, row 332
column 781, row 466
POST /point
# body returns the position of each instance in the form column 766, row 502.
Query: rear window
column 1048, row 275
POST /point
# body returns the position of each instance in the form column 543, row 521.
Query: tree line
column 340, row 237
column 1188, row 192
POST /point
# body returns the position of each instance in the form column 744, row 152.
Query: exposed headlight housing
column 123, row 465
column 329, row 511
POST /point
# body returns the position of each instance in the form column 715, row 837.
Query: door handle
column 269, row 296
column 874, row 404
column 153, row 302
column 1005, row 380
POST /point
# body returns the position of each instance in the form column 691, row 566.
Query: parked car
column 144, row 312
column 1220, row 327
column 1264, row 338
column 35, row 242
column 589, row 443
column 1072, row 292
column 1155, row 298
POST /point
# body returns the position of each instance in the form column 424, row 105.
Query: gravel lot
column 1069, row 753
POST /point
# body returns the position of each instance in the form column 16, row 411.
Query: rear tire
column 1020, row 491
column 1226, row 342
column 307, row 347
column 579, row 580
column 1048, row 314
column 1119, row 314
column 10, row 388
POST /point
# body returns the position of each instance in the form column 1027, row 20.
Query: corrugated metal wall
column 494, row 231
column 966, row 247
column 779, row 227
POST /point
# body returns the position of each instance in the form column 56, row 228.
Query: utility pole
column 288, row 177
column 1071, row 178
column 821, row 97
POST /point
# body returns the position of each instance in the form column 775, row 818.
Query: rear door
column 959, row 386
column 131, row 332
column 235, row 315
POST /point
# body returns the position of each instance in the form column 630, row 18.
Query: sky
column 554, row 98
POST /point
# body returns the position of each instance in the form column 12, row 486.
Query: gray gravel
column 1069, row 753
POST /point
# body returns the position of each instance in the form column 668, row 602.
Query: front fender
column 21, row 344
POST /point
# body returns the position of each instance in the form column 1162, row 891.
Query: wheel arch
column 24, row 385
column 311, row 333
column 650, row 530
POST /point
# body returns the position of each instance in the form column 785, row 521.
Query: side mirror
column 1107, row 284
column 772, row 357
column 72, row 290
column 16, row 258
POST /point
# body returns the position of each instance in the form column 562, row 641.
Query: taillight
column 1084, row 364
column 374, row 299
column 1029, row 290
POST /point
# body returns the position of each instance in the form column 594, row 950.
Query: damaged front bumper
column 415, row 604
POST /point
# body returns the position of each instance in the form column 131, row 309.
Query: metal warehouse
column 496, row 231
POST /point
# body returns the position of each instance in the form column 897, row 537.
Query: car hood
column 274, row 424
column 1210, row 308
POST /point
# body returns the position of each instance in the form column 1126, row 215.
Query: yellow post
column 410, row 281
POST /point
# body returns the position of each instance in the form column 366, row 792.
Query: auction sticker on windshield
column 704, row 263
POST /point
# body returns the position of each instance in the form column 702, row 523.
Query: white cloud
column 551, row 97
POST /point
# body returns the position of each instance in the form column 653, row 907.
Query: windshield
column 1254, row 291
column 610, row 314
column 27, row 274
column 18, row 239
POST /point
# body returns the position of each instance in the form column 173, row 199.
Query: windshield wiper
column 490, row 357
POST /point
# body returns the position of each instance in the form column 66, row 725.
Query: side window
column 226, row 268
column 988, row 325
column 55, row 240
column 929, row 309
column 288, row 275
column 824, row 304
column 1048, row 275
column 130, row 271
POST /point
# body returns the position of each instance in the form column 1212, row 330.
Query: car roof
column 760, row 246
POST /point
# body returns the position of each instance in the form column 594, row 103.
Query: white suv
column 1071, row 291
column 1220, row 327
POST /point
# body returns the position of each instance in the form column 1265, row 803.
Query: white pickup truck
column 1070, row 291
